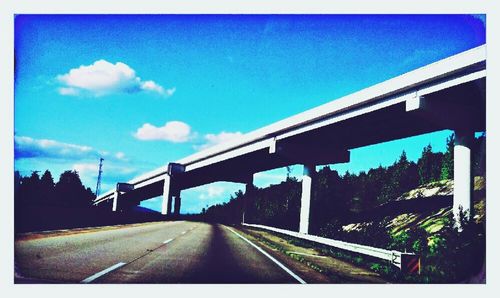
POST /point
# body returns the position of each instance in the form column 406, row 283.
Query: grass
column 338, row 266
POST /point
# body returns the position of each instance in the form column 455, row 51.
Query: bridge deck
column 411, row 104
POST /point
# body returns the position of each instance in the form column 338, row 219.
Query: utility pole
column 98, row 187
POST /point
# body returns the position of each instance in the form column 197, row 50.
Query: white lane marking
column 101, row 273
column 270, row 257
column 167, row 241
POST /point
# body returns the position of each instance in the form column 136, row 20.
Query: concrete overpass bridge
column 447, row 94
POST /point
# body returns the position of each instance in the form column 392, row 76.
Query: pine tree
column 17, row 183
column 31, row 186
column 46, row 187
column 479, row 155
column 69, row 191
column 447, row 163
column 424, row 165
column 18, row 189
column 429, row 165
column 400, row 178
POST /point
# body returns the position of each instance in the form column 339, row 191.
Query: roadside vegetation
column 40, row 203
column 404, row 207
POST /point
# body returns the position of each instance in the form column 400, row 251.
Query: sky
column 143, row 90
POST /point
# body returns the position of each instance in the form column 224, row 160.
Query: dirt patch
column 65, row 232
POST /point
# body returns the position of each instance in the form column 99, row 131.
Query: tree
column 447, row 162
column 46, row 187
column 29, row 187
column 429, row 166
column 375, row 183
column 69, row 191
column 19, row 193
column 479, row 155
column 288, row 172
column 401, row 177
column 17, row 183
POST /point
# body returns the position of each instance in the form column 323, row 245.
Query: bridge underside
column 461, row 107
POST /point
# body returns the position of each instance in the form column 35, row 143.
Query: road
column 164, row 252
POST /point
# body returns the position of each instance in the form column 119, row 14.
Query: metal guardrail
column 407, row 262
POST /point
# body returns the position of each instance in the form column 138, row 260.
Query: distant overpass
column 448, row 94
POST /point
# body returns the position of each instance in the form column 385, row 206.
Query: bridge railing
column 406, row 262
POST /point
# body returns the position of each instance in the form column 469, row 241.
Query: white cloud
column 213, row 191
column 113, row 172
column 93, row 168
column 215, row 139
column 152, row 86
column 83, row 168
column 273, row 177
column 173, row 131
column 40, row 154
column 170, row 91
column 26, row 147
column 276, row 176
column 103, row 78
column 68, row 91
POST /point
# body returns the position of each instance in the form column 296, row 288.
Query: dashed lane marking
column 101, row 273
column 116, row 266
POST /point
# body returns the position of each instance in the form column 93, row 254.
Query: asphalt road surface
column 165, row 252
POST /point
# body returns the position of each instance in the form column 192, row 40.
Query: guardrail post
column 305, row 200
column 410, row 263
column 463, row 180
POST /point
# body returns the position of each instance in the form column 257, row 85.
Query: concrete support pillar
column 305, row 201
column 166, row 206
column 115, row 200
column 462, row 172
column 249, row 187
column 169, row 205
column 177, row 203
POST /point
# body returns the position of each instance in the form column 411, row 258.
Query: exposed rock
column 432, row 221
column 439, row 188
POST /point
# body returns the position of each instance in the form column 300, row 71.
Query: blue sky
column 145, row 90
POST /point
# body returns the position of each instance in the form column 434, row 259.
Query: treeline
column 36, row 190
column 40, row 203
column 341, row 198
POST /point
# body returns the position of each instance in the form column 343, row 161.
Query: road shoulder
column 309, row 263
column 73, row 231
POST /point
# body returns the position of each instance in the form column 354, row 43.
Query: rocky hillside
column 427, row 206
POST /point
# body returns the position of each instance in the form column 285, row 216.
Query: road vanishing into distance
column 162, row 252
